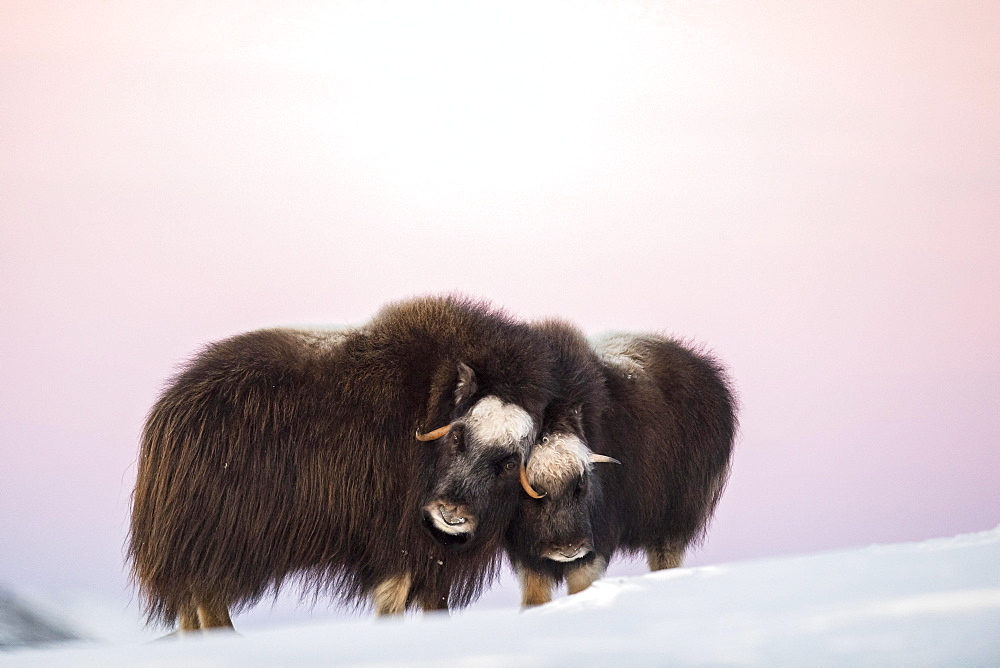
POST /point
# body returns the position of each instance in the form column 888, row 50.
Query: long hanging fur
column 283, row 454
column 664, row 410
column 672, row 422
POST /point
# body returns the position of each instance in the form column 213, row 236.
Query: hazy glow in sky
column 445, row 97
column 810, row 189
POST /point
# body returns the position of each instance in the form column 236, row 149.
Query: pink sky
column 810, row 189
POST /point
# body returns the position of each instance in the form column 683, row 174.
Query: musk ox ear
column 576, row 416
column 445, row 393
column 466, row 385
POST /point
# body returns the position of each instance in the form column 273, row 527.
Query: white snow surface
column 935, row 602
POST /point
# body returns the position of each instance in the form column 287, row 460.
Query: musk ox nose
column 450, row 518
column 567, row 551
column 450, row 515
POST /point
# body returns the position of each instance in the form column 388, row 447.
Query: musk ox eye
column 545, row 439
column 507, row 465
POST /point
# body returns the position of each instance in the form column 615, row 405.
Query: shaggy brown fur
column 282, row 454
column 667, row 413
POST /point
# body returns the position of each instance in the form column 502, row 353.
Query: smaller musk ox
column 667, row 414
column 296, row 455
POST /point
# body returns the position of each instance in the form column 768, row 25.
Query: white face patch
column 561, row 457
column 492, row 421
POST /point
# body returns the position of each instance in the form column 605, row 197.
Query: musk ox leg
column 665, row 557
column 536, row 588
column 580, row 578
column 187, row 617
column 434, row 603
column 213, row 615
column 390, row 595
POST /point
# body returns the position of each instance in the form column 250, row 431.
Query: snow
column 935, row 602
column 25, row 623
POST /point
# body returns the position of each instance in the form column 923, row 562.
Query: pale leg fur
column 188, row 619
column 580, row 578
column 536, row 588
column 665, row 557
column 214, row 616
column 390, row 595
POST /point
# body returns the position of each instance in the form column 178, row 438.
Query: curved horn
column 603, row 459
column 527, row 486
column 433, row 435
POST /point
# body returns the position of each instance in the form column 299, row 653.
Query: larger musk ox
column 380, row 464
column 665, row 414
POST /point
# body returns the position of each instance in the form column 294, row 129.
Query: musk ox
column 661, row 409
column 379, row 464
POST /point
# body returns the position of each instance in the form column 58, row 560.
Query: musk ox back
column 283, row 454
column 669, row 416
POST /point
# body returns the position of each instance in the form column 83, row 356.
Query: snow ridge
column 931, row 603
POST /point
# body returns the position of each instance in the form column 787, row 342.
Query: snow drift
column 24, row 624
column 931, row 603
